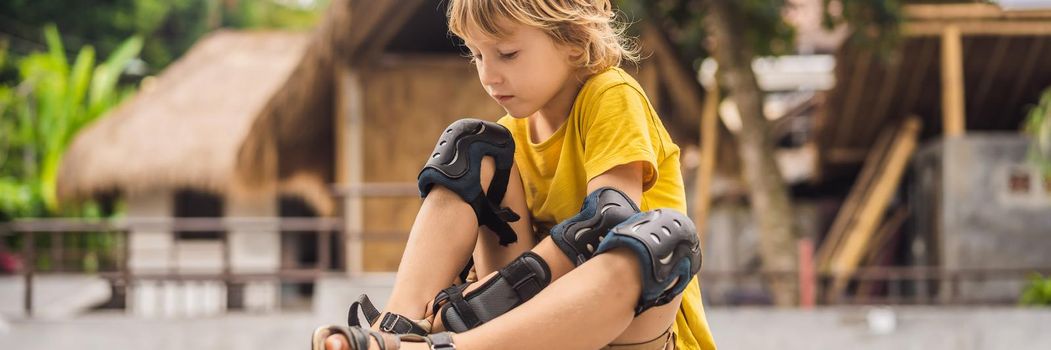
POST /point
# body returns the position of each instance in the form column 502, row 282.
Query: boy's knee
column 473, row 158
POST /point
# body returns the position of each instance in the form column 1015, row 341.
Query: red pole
column 806, row 273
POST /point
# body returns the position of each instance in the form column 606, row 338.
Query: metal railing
column 117, row 257
column 898, row 285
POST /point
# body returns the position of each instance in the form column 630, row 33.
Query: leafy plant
column 1038, row 126
column 45, row 110
column 39, row 116
column 1037, row 292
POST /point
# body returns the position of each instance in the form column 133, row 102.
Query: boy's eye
column 509, row 55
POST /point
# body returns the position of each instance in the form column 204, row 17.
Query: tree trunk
column 768, row 194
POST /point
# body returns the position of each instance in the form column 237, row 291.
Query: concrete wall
column 975, row 218
column 732, row 244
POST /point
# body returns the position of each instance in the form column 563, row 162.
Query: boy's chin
column 519, row 114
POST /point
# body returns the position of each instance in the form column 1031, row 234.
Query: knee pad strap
column 456, row 164
column 580, row 235
column 515, row 284
column 666, row 244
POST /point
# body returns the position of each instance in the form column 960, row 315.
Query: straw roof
column 184, row 128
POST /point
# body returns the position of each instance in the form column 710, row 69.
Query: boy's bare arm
column 627, row 178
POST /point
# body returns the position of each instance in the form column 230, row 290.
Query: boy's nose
column 488, row 76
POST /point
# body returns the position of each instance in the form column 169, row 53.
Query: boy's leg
column 590, row 307
column 442, row 239
column 470, row 170
column 646, row 326
column 489, row 255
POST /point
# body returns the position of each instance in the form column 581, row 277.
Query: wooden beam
column 858, row 192
column 854, row 92
column 953, row 113
column 856, row 239
column 916, row 79
column 989, row 74
column 888, row 88
column 846, row 155
column 350, row 157
column 394, row 19
column 709, row 142
column 978, row 27
column 966, row 11
column 880, row 247
column 1026, row 72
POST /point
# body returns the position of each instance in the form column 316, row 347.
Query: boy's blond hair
column 589, row 25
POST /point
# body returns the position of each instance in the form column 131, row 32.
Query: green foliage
column 272, row 14
column 41, row 114
column 874, row 22
column 168, row 27
column 683, row 22
column 1037, row 291
column 1038, row 126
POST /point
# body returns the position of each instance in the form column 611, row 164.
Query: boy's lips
column 503, row 98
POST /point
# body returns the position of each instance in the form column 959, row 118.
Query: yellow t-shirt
column 611, row 123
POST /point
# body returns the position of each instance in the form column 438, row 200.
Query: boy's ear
column 575, row 51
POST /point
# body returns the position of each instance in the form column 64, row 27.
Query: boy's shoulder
column 611, row 77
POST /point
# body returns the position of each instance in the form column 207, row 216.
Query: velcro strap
column 398, row 324
column 466, row 270
column 522, row 279
column 507, row 215
column 462, row 308
column 487, row 216
column 365, row 305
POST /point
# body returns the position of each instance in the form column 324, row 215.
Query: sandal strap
column 398, row 324
column 364, row 304
column 391, row 322
column 437, row 341
column 357, row 337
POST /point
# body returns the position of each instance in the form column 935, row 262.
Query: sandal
column 391, row 322
column 358, row 338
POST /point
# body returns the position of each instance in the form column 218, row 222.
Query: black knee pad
column 456, row 164
column 581, row 234
column 669, row 252
column 515, row 284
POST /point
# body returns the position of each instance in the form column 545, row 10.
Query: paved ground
column 54, row 296
column 734, row 328
column 914, row 328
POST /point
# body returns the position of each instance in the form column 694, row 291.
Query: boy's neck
column 549, row 118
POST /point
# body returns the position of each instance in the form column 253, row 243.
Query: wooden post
column 350, row 143
column 709, row 141
column 953, row 117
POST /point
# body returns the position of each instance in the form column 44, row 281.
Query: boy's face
column 524, row 70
